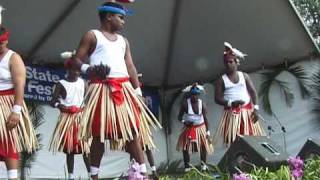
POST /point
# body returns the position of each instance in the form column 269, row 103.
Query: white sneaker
column 187, row 169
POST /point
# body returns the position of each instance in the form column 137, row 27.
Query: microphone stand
column 283, row 129
column 270, row 130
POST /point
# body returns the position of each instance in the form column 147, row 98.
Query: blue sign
column 40, row 82
column 152, row 100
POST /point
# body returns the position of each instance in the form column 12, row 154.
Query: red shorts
column 73, row 138
column 8, row 152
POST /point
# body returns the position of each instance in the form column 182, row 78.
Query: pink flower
column 297, row 173
column 241, row 176
column 296, row 167
column 134, row 172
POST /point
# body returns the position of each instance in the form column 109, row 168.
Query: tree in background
column 310, row 12
column 36, row 112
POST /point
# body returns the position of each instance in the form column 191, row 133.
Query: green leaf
column 270, row 79
column 303, row 79
column 36, row 112
column 284, row 88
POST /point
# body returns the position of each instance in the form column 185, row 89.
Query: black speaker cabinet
column 310, row 148
column 249, row 151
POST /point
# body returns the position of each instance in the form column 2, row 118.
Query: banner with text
column 41, row 80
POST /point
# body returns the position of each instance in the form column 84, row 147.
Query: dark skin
column 109, row 27
column 231, row 71
column 60, row 92
column 18, row 74
column 112, row 24
column 194, row 103
column 150, row 160
column 195, row 107
column 147, row 150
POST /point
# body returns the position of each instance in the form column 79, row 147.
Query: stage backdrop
column 41, row 80
column 39, row 86
column 299, row 122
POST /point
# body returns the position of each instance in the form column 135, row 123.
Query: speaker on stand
column 249, row 151
column 310, row 148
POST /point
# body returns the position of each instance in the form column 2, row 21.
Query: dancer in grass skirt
column 16, row 130
column 68, row 97
column 235, row 91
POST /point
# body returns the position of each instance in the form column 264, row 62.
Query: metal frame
column 51, row 29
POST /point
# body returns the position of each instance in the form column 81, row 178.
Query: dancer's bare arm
column 204, row 113
column 85, row 48
column 253, row 94
column 18, row 73
column 131, row 67
column 58, row 91
column 218, row 93
column 183, row 109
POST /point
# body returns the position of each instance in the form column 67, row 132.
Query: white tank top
column 110, row 53
column 196, row 119
column 236, row 91
column 74, row 91
column 5, row 74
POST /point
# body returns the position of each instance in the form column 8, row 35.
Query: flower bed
column 296, row 169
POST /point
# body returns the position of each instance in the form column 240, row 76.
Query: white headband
column 67, row 54
column 188, row 88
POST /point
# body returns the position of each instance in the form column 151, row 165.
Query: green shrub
column 312, row 169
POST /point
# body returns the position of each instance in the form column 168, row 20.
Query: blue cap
column 195, row 90
column 115, row 10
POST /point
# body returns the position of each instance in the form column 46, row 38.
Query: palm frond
column 36, row 112
column 303, row 79
column 315, row 82
column 270, row 78
column 289, row 97
column 264, row 94
column 316, row 91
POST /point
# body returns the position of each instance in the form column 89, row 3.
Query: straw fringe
column 184, row 142
column 119, row 120
column 230, row 123
column 146, row 142
column 93, row 95
column 66, row 127
column 23, row 137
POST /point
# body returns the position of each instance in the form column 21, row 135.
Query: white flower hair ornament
column 231, row 51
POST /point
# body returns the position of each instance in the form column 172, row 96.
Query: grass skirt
column 104, row 118
column 21, row 138
column 66, row 135
column 238, row 123
column 201, row 140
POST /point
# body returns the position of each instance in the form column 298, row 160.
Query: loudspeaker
column 249, row 151
column 310, row 148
